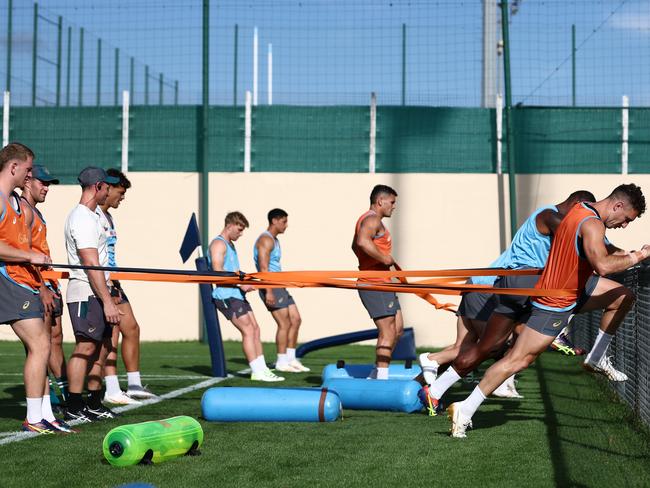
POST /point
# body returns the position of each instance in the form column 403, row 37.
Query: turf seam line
column 21, row 436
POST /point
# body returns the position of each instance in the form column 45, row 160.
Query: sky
column 328, row 52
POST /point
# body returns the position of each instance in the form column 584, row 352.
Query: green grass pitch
column 567, row 431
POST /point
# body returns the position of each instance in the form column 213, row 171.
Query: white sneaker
column 120, row 398
column 140, row 392
column 286, row 368
column 267, row 376
column 459, row 422
column 299, row 366
column 429, row 367
column 606, row 368
column 507, row 389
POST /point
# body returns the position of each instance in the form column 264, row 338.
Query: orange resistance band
column 446, row 282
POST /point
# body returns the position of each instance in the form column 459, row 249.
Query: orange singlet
column 14, row 231
column 567, row 267
column 39, row 238
column 383, row 243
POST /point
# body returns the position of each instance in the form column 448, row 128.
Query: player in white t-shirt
column 92, row 311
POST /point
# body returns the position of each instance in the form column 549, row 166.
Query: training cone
column 152, row 442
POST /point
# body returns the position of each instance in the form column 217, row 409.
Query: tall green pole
column 146, row 85
column 203, row 163
column 234, row 76
column 59, row 60
column 512, row 171
column 176, row 92
column 403, row 64
column 34, row 54
column 573, row 65
column 99, row 72
column 9, row 35
column 116, row 83
column 160, row 89
column 68, row 68
column 81, row 66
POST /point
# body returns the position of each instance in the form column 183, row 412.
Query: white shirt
column 83, row 230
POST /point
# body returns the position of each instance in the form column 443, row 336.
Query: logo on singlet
column 26, row 305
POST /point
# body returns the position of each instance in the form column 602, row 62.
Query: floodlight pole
column 512, row 173
column 203, row 159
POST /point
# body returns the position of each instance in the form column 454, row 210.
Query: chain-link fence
column 630, row 348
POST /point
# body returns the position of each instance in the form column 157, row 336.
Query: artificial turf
column 568, row 430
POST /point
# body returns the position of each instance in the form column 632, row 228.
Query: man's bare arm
column 367, row 230
column 593, row 240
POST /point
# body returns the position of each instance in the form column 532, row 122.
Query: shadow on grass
column 11, row 408
column 560, row 467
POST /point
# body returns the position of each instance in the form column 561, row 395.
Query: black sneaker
column 102, row 413
column 83, row 416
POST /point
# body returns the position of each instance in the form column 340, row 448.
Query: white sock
column 46, row 409
column 470, row 405
column 112, row 385
column 133, row 378
column 291, row 354
column 600, row 347
column 382, row 373
column 282, row 359
column 34, row 410
column 258, row 364
column 444, row 382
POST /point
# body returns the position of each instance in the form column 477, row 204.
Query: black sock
column 94, row 399
column 75, row 401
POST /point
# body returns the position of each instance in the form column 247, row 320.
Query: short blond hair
column 14, row 150
column 236, row 218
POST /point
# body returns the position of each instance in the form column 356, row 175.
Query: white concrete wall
column 442, row 221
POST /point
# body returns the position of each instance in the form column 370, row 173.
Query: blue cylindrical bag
column 395, row 371
column 388, row 395
column 239, row 404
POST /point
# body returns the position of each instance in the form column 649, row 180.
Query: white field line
column 9, row 437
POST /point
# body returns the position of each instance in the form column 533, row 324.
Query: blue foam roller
column 237, row 404
column 390, row 395
column 395, row 371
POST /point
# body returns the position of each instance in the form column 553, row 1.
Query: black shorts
column 515, row 307
column 88, row 319
column 58, row 307
column 282, row 299
column 380, row 303
column 476, row 306
column 18, row 303
column 232, row 307
column 118, row 292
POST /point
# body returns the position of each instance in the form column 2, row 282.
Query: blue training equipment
column 237, row 404
column 395, row 371
column 404, row 350
column 388, row 395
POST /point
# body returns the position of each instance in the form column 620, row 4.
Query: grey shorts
column 476, row 306
column 88, row 320
column 18, row 303
column 551, row 322
column 514, row 306
column 380, row 303
column 232, row 307
column 282, row 299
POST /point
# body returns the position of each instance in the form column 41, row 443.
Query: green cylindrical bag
column 153, row 442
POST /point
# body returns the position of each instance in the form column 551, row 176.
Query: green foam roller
column 153, row 442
